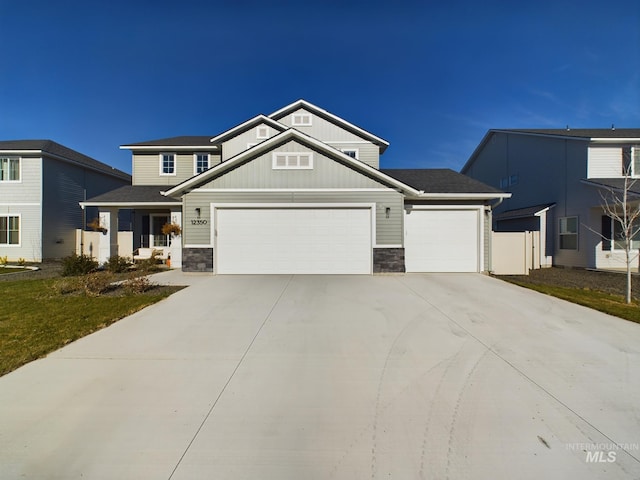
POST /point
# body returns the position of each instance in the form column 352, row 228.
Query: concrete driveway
column 316, row 377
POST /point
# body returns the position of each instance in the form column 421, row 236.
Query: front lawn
column 5, row 270
column 604, row 302
column 37, row 318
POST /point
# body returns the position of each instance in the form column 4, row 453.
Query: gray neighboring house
column 41, row 184
column 300, row 191
column 556, row 177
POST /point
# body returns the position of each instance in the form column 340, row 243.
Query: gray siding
column 368, row 153
column 146, row 168
column 326, row 173
column 239, row 143
column 388, row 230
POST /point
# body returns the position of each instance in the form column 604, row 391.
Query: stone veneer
column 197, row 259
column 388, row 260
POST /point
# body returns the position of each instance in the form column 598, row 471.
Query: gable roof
column 604, row 135
column 292, row 107
column 273, row 142
column 60, row 152
column 614, row 184
column 244, row 126
column 131, row 195
column 441, row 181
column 532, row 211
column 187, row 142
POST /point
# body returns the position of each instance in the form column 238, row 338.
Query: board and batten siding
column 146, row 167
column 326, row 173
column 388, row 230
column 241, row 142
column 604, row 162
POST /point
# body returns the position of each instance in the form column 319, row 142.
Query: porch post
column 175, row 245
column 109, row 239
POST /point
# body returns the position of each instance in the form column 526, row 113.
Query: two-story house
column 41, row 183
column 557, row 178
column 299, row 191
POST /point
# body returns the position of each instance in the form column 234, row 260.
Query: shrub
column 3, row 261
column 97, row 283
column 117, row 264
column 148, row 265
column 135, row 284
column 78, row 265
column 22, row 262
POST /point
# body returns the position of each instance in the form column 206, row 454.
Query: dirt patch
column 609, row 282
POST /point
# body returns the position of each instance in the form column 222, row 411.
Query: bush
column 4, row 260
column 117, row 264
column 135, row 284
column 78, row 265
column 97, row 283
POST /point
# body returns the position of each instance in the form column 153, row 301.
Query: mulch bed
column 609, row 282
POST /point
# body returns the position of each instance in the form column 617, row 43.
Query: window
column 286, row 160
column 513, row 179
column 262, row 132
column 352, row 152
column 504, row 182
column 613, row 236
column 509, row 181
column 167, row 164
column 301, row 119
column 9, row 169
column 635, row 161
column 10, row 230
column 568, row 233
column 201, row 162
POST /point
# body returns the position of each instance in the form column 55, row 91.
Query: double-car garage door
column 293, row 240
column 314, row 240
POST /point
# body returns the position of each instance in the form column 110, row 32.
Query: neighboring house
column 556, row 178
column 300, row 191
column 41, row 184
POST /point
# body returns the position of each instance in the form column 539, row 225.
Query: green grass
column 604, row 302
column 4, row 270
column 35, row 320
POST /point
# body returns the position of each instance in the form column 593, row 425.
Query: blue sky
column 429, row 77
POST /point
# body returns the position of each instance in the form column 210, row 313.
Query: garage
column 301, row 240
column 442, row 240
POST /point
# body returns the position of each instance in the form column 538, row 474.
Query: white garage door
column 442, row 241
column 293, row 240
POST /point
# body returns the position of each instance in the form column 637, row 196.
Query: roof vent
column 613, row 127
column 568, row 128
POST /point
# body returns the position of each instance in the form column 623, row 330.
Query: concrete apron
column 415, row 376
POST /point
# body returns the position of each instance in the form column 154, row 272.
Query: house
column 557, row 178
column 299, row 191
column 41, row 183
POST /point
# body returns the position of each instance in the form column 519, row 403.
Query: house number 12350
column 199, row 222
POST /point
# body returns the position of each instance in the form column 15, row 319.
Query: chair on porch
column 143, row 253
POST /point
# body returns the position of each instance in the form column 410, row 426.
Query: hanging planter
column 171, row 229
column 96, row 227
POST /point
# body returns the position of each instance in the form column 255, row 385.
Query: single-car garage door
column 293, row 240
column 442, row 240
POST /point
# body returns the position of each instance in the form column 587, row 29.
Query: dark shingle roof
column 615, row 184
column 183, row 141
column 439, row 180
column 583, row 132
column 132, row 194
column 523, row 212
column 53, row 148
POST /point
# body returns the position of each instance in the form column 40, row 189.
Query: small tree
column 619, row 204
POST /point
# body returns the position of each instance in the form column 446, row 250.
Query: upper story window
column 352, row 152
column 200, row 162
column 167, row 164
column 568, row 233
column 262, row 131
column 635, row 161
column 301, row 119
column 9, row 230
column 9, row 169
column 292, row 160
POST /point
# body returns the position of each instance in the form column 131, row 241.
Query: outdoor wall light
column 198, row 212
column 387, row 211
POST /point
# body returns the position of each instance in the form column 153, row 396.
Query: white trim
column 244, row 125
column 306, row 119
column 481, row 221
column 615, row 140
column 346, row 142
column 161, row 164
column 169, row 147
column 13, row 245
column 29, row 204
column 266, row 132
column 197, row 245
column 288, row 190
column 130, row 204
column 385, row 245
column 291, row 205
column 287, row 166
column 309, row 106
column 459, row 196
column 356, row 150
column 195, row 162
column 252, row 144
column 151, row 234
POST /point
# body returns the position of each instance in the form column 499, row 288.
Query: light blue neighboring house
column 41, row 184
column 298, row 191
column 557, row 178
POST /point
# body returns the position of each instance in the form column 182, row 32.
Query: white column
column 175, row 246
column 109, row 239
